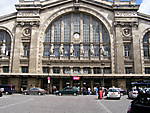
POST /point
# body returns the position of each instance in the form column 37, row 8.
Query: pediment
column 55, row 3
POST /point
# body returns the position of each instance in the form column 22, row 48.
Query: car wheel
column 39, row 93
column 25, row 93
column 75, row 94
column 6, row 93
column 60, row 94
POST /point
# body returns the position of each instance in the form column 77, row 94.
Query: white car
column 113, row 93
column 133, row 94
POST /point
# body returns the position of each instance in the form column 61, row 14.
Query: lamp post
column 48, row 79
column 103, row 84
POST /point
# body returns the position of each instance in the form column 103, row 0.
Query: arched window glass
column 96, row 31
column 48, row 35
column 76, row 50
column 67, row 28
column 146, row 45
column 5, row 43
column 46, row 50
column 105, row 36
column 57, row 31
column 96, row 50
column 86, row 28
column 57, row 50
column 67, row 50
column 86, row 50
column 76, row 22
column 76, row 32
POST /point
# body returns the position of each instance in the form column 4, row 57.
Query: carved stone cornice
column 125, row 14
column 28, row 23
column 125, row 24
column 76, row 4
column 30, row 13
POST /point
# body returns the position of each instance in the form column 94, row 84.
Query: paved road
column 61, row 104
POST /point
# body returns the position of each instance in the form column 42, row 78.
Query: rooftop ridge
column 118, row 2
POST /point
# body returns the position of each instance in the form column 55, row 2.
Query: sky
column 8, row 6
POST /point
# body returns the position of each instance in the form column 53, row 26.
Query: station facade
column 84, row 43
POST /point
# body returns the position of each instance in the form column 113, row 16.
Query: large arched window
column 77, row 35
column 5, row 43
column 146, row 45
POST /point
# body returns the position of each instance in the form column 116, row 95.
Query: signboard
column 49, row 79
column 76, row 78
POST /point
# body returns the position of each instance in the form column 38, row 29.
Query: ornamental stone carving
column 125, row 14
column 28, row 14
column 26, row 32
column 92, row 49
column 61, row 50
column 126, row 32
column 81, row 50
column 72, row 50
column 52, row 49
column 123, row 24
column 28, row 23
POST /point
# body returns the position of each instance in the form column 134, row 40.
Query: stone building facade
column 85, row 43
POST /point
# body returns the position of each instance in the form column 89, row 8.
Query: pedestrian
column 96, row 90
column 89, row 91
column 100, row 93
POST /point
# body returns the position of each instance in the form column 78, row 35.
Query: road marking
column 10, row 105
column 106, row 109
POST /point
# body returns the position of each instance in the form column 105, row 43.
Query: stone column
column 61, row 70
column 16, row 49
column 81, row 28
column 92, row 85
column 91, row 30
column 52, row 34
column 60, row 84
column 136, row 51
column 51, row 86
column 33, row 50
column 71, row 83
column 33, row 82
column 92, row 71
column 122, row 83
column 72, row 28
column 16, row 82
column 62, row 31
column 119, row 51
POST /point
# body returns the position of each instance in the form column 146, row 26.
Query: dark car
column 34, row 91
column 122, row 91
column 68, row 91
column 141, row 104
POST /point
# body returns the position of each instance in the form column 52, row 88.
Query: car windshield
column 35, row 89
column 113, row 90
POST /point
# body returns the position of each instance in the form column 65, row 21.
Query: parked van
column 7, row 88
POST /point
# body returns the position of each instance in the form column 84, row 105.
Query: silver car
column 133, row 94
column 113, row 93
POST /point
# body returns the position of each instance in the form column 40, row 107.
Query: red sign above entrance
column 76, row 78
